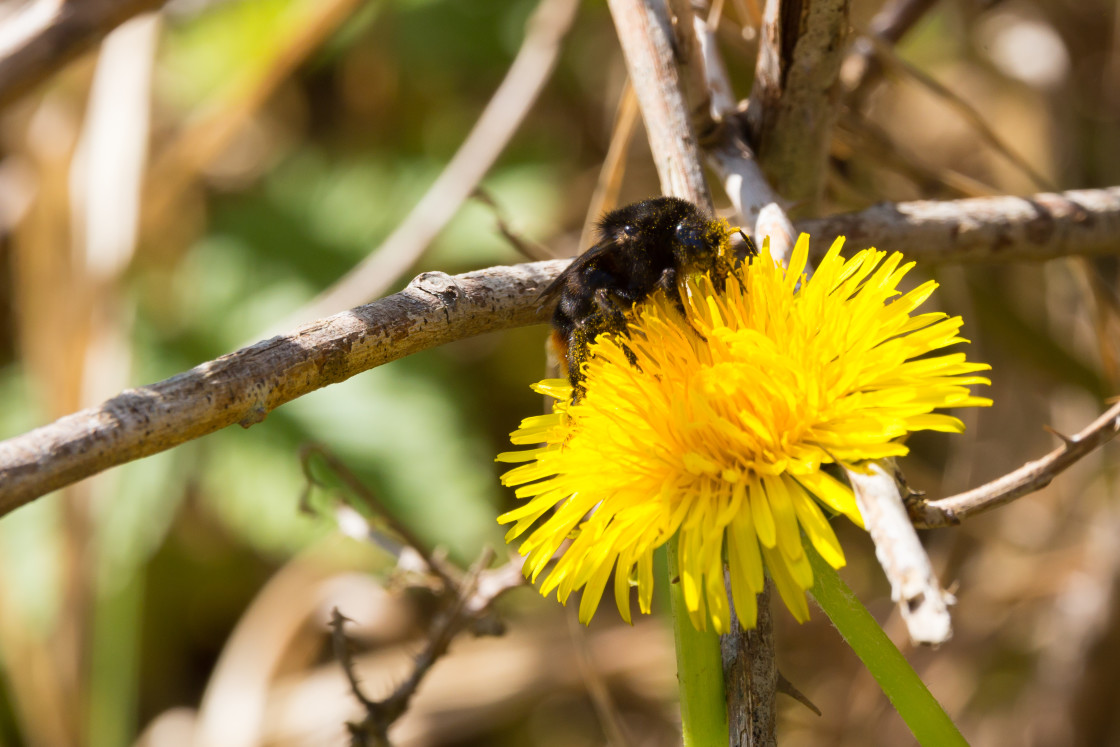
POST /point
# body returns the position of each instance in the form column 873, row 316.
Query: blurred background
column 207, row 173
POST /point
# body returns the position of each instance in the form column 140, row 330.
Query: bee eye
column 689, row 235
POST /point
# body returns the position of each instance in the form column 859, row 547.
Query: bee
column 643, row 247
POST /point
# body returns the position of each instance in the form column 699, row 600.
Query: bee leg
column 612, row 318
column 668, row 283
column 579, row 343
column 611, row 310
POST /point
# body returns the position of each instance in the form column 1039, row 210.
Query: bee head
column 667, row 223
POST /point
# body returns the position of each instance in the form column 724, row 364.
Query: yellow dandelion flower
column 717, row 423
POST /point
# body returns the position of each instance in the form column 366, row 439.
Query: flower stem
column 908, row 694
column 699, row 671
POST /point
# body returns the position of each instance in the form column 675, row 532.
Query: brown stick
column 1030, row 477
column 792, row 102
column 986, row 229
column 243, row 387
column 750, row 676
column 489, row 137
column 755, row 201
column 643, row 32
column 861, row 71
column 44, row 36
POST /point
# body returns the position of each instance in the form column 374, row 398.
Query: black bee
column 641, row 247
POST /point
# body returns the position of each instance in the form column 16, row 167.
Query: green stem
column 906, row 691
column 699, row 671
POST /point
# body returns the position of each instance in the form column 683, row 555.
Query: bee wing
column 578, row 265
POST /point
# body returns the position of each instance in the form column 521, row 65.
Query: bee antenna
column 752, row 250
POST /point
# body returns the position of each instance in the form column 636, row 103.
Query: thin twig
column 727, row 152
column 528, row 248
column 714, row 73
column 494, row 129
column 243, row 387
column 645, row 36
column 47, row 34
column 609, row 184
column 886, row 54
column 368, row 498
column 470, row 602
column 861, row 71
column 1030, row 477
column 344, row 654
column 750, row 677
column 987, row 229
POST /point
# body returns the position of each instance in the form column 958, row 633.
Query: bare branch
column 987, row 229
column 751, row 678
column 914, row 587
column 885, row 53
column 243, row 387
column 792, row 103
column 731, row 158
column 464, row 601
column 371, row 533
column 528, row 248
column 47, row 34
column 344, row 653
column 643, row 31
column 491, row 133
column 471, row 601
column 753, row 197
column 861, row 71
column 609, row 183
column 1030, row 477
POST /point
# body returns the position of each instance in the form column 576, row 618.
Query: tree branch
column 862, row 71
column 47, row 34
column 1030, row 477
column 985, row 229
column 467, row 607
column 646, row 39
column 792, row 103
column 243, row 387
column 519, row 90
column 731, row 158
column 751, row 677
